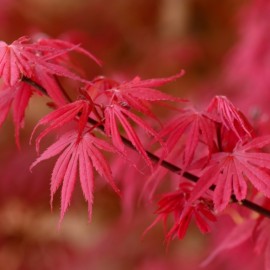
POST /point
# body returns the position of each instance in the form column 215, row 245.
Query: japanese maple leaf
column 176, row 203
column 137, row 94
column 114, row 114
column 229, row 172
column 79, row 110
column 22, row 56
column 222, row 110
column 122, row 99
column 65, row 45
column 81, row 156
column 17, row 95
column 195, row 128
column 50, row 66
column 54, row 58
column 50, row 84
column 16, row 59
column 137, row 90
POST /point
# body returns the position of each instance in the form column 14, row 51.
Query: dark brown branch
column 171, row 167
column 35, row 85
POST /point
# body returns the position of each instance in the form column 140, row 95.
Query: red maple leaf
column 120, row 100
column 22, row 56
column 229, row 172
column 81, row 156
column 223, row 111
column 176, row 203
column 17, row 95
column 115, row 113
column 137, row 90
column 79, row 110
column 50, row 84
column 135, row 94
column 195, row 128
column 16, row 59
column 62, row 45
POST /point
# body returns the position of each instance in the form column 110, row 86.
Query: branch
column 35, row 85
column 169, row 166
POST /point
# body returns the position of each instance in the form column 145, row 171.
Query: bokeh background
column 153, row 38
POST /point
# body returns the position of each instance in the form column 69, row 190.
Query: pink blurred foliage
column 27, row 186
column 25, row 240
column 122, row 247
column 231, row 245
column 130, row 176
column 239, row 239
column 247, row 64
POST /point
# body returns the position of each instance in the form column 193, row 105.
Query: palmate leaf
column 16, row 59
column 113, row 115
column 51, row 84
column 229, row 172
column 54, row 58
column 18, row 96
column 222, row 110
column 53, row 68
column 64, row 115
column 23, row 93
column 143, row 89
column 176, row 204
column 64, row 45
column 81, row 156
column 195, row 128
column 22, row 56
column 122, row 100
column 136, row 94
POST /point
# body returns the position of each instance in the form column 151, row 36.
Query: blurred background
column 154, row 38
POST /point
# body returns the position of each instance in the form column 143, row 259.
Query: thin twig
column 35, row 85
